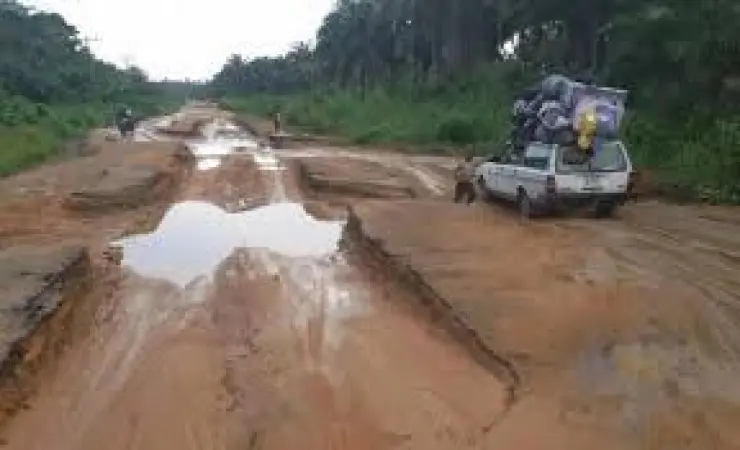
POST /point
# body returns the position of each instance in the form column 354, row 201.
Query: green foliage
column 405, row 70
column 471, row 112
column 701, row 160
column 24, row 146
column 457, row 130
column 52, row 88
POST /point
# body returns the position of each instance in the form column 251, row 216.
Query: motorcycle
column 126, row 127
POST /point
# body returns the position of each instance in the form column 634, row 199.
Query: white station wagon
column 546, row 178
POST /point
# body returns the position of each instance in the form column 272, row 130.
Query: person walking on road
column 464, row 173
column 277, row 122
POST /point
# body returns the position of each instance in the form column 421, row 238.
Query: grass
column 30, row 134
column 695, row 159
column 394, row 116
column 25, row 146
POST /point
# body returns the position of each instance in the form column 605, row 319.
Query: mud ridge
column 129, row 187
column 375, row 255
column 263, row 128
column 317, row 184
column 50, row 295
column 260, row 132
column 50, row 316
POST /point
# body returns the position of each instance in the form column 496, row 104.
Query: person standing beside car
column 464, row 174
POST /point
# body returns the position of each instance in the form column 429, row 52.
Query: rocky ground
column 322, row 297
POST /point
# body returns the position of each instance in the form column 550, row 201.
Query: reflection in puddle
column 209, row 148
column 221, row 147
column 208, row 163
column 164, row 122
column 221, row 138
column 267, row 160
column 194, row 237
column 221, row 128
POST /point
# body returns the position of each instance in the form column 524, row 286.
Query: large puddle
column 195, row 237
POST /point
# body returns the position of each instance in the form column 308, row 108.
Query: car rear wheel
column 605, row 210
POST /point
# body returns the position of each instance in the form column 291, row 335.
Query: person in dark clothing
column 464, row 187
column 125, row 122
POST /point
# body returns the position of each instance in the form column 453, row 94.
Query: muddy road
column 335, row 298
column 239, row 323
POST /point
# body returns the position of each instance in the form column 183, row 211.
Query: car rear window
column 537, row 157
column 610, row 158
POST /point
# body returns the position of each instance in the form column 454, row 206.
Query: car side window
column 536, row 163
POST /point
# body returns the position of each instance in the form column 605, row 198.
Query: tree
column 43, row 59
column 645, row 46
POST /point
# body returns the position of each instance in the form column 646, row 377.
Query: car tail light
column 550, row 186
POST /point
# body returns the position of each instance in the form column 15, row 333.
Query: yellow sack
column 584, row 142
column 585, row 128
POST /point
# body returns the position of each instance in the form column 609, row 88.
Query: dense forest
column 440, row 73
column 52, row 88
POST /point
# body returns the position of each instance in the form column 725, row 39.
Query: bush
column 24, row 146
column 30, row 133
column 457, row 130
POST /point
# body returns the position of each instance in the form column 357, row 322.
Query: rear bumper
column 554, row 202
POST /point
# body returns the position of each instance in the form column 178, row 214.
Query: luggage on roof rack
column 566, row 112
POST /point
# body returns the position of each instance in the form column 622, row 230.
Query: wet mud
column 241, row 323
column 41, row 289
column 325, row 298
column 443, row 314
column 53, row 264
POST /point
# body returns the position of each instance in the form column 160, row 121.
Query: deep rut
column 247, row 327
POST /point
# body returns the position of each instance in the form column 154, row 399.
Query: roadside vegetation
column 443, row 75
column 52, row 89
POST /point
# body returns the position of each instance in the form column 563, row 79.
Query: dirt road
column 239, row 324
column 323, row 298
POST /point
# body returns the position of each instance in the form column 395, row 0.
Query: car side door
column 532, row 172
column 507, row 177
column 491, row 174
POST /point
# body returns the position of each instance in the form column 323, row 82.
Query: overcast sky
column 189, row 38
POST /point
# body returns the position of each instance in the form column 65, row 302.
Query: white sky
column 189, row 38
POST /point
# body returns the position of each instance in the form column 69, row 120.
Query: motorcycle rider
column 125, row 121
column 123, row 113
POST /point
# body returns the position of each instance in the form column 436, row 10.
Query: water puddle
column 220, row 138
column 288, row 314
column 205, row 164
column 164, row 122
column 267, row 160
column 195, row 237
column 221, row 128
column 221, row 146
